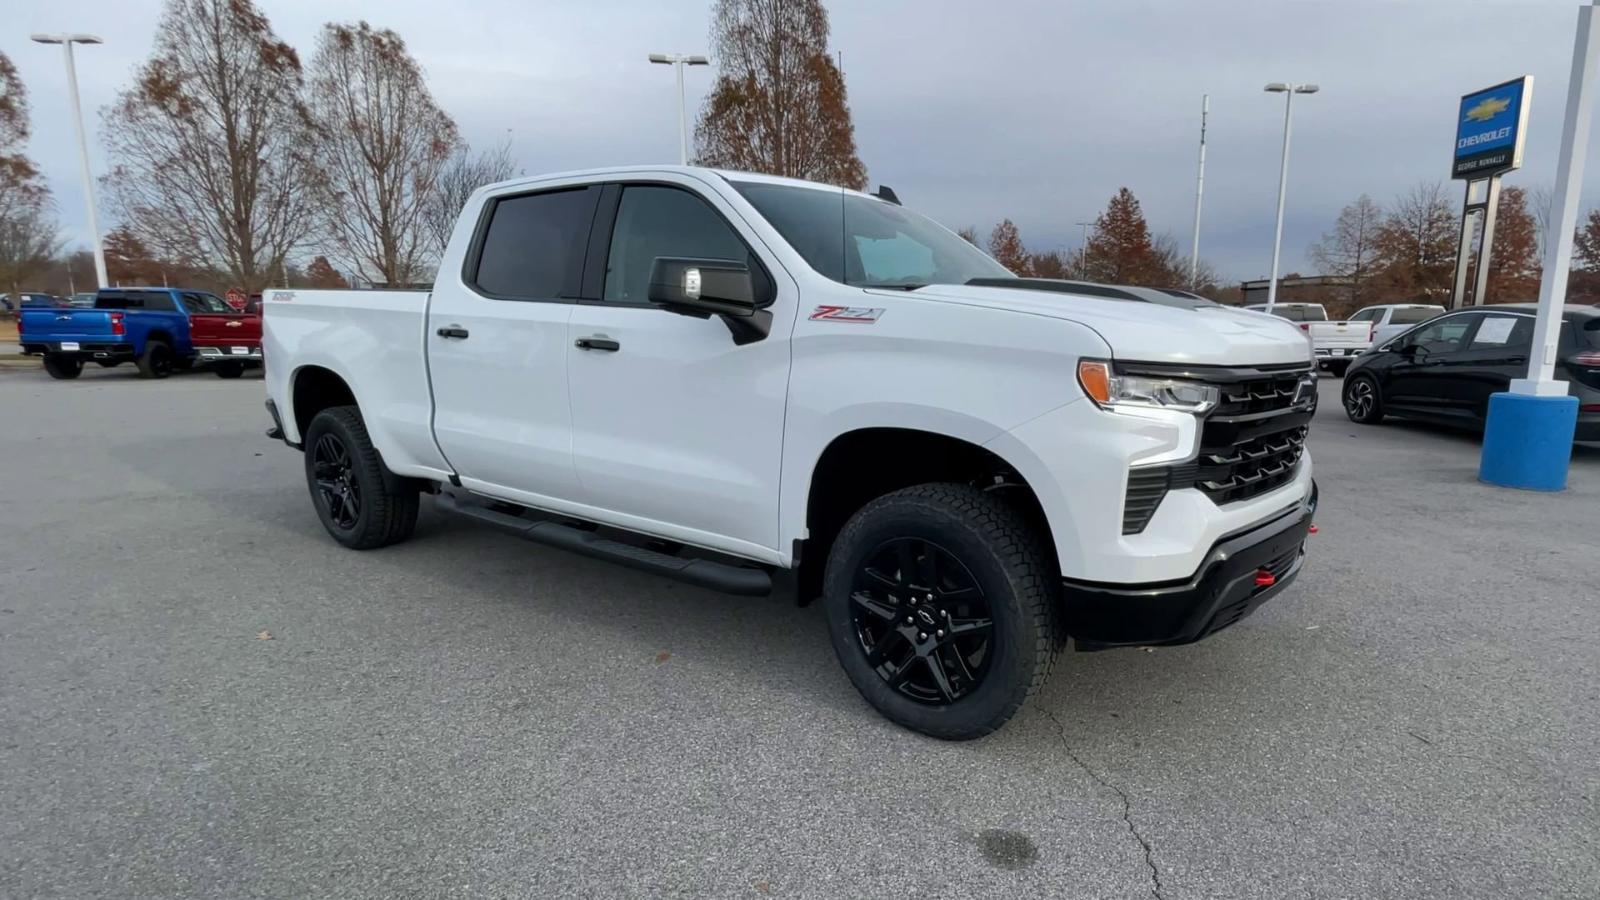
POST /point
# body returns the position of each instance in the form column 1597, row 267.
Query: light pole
column 1288, row 91
column 1083, row 253
column 1199, row 191
column 678, row 61
column 66, row 41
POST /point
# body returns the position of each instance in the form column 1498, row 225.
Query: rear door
column 1496, row 352
column 1419, row 380
column 496, row 338
column 678, row 430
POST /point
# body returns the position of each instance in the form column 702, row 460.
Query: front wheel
column 61, row 367
column 942, row 607
column 1363, row 400
column 360, row 502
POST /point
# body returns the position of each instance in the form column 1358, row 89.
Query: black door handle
column 453, row 331
column 597, row 343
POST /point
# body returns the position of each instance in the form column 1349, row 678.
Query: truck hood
column 1150, row 331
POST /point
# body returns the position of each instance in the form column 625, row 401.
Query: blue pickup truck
column 145, row 326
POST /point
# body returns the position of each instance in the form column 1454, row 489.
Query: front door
column 676, row 429
column 496, row 334
column 1495, row 353
column 1419, row 380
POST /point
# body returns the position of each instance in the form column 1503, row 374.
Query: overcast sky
column 971, row 111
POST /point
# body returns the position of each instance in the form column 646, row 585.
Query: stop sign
column 236, row 298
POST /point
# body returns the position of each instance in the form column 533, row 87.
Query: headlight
column 1111, row 391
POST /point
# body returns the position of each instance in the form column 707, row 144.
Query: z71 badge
column 861, row 315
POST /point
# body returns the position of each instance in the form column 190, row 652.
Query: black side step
column 729, row 579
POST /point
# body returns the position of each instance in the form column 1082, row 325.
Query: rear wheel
column 361, row 503
column 228, row 369
column 942, row 608
column 156, row 361
column 1363, row 400
column 63, row 367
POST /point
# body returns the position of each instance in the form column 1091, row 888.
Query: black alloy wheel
column 337, row 486
column 1362, row 403
column 922, row 620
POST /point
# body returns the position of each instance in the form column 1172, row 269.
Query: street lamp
column 1288, row 91
column 1083, row 253
column 678, row 61
column 66, row 41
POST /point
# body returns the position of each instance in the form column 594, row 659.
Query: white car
column 1389, row 319
column 717, row 376
column 1333, row 343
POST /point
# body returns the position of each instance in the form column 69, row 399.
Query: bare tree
column 1541, row 203
column 29, row 242
column 464, row 173
column 384, row 143
column 211, row 146
column 1349, row 250
column 779, row 104
column 1416, row 244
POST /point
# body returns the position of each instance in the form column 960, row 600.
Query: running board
column 729, row 579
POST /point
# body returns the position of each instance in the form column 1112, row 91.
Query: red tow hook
column 1265, row 578
column 1312, row 529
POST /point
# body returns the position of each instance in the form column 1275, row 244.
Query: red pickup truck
column 229, row 342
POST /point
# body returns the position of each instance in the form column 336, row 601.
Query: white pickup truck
column 1334, row 344
column 717, row 376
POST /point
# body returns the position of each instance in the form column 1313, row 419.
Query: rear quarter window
column 1411, row 316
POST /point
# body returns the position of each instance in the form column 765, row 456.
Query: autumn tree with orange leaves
column 1005, row 245
column 322, row 274
column 778, row 105
column 1514, row 259
column 1121, row 251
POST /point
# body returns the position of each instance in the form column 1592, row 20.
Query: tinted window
column 657, row 221
column 204, row 303
column 534, row 244
column 1299, row 313
column 1590, row 331
column 157, row 300
column 866, row 242
column 1412, row 316
column 1500, row 331
column 1442, row 336
column 1366, row 315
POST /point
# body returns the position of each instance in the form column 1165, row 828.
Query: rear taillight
column 1586, row 358
column 19, row 321
column 1589, row 407
column 116, row 324
column 1306, row 327
column 1372, row 332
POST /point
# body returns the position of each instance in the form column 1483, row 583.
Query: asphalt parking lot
column 201, row 695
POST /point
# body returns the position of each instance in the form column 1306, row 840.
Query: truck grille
column 1249, row 445
column 1253, row 441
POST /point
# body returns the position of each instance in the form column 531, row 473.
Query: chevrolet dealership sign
column 1489, row 129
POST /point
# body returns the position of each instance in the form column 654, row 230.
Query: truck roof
column 727, row 174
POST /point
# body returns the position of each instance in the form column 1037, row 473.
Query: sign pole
column 1458, row 294
column 1480, row 281
column 1527, row 441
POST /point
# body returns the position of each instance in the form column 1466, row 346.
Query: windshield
column 865, row 242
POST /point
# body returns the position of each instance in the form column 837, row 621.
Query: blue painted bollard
column 1527, row 442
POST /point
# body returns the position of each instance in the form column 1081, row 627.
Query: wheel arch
column 314, row 388
column 861, row 464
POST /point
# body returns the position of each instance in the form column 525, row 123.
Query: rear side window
column 533, row 246
column 1366, row 315
column 156, row 300
column 1495, row 332
column 1411, row 316
column 1297, row 313
column 196, row 302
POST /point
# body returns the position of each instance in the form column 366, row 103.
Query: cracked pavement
column 470, row 715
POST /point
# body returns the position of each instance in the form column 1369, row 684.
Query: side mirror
column 711, row 287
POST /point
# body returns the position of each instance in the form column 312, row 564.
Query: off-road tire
column 1007, row 559
column 388, row 503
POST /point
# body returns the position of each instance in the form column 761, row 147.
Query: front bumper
column 1224, row 590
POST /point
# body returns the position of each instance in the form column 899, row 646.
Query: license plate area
column 69, row 345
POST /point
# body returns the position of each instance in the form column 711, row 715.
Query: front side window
column 655, row 221
column 533, row 246
column 1442, row 336
column 866, row 242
